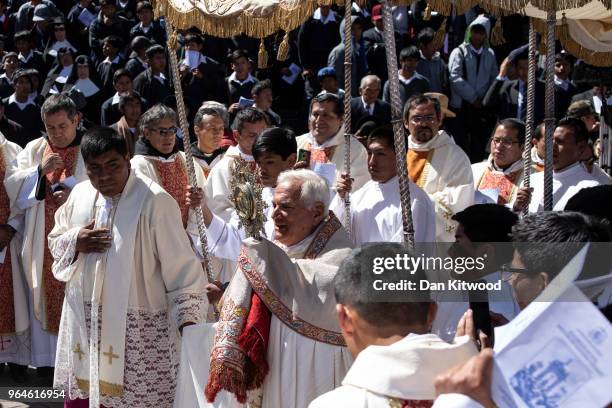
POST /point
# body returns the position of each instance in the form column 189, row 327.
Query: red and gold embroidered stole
column 318, row 155
column 417, row 161
column 53, row 290
column 7, row 304
column 506, row 184
column 173, row 178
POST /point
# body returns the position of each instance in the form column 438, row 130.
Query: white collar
column 517, row 165
column 22, row 105
column 563, row 83
column 123, row 4
column 115, row 99
column 569, row 171
column 63, row 75
column 318, row 16
column 86, row 86
column 365, row 104
column 143, row 62
column 8, row 79
column 335, row 140
column 440, row 139
column 236, row 152
column 407, row 367
column 114, row 61
column 405, row 80
column 25, row 58
column 248, row 79
column 477, row 51
column 535, row 157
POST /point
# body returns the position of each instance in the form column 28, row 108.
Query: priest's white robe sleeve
column 225, row 238
column 27, row 195
column 173, row 250
column 459, row 191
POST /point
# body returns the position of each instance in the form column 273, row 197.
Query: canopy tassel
column 283, row 48
column 262, row 56
column 497, row 34
column 427, row 13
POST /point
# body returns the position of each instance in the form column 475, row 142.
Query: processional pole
column 530, row 122
column 398, row 125
column 182, row 114
column 549, row 121
column 348, row 72
column 605, row 154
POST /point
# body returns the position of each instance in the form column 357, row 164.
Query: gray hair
column 314, row 188
column 155, row 114
column 370, row 78
column 57, row 103
column 217, row 107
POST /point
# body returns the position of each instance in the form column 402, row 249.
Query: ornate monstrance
column 246, row 195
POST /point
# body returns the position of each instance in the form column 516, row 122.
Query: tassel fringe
column 262, row 56
column 283, row 48
column 427, row 13
column 223, row 377
column 497, row 34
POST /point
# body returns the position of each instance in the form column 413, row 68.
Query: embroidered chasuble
column 52, row 288
column 321, row 155
column 506, row 184
column 7, row 303
column 118, row 336
column 443, row 171
column 173, row 178
column 271, row 294
column 14, row 319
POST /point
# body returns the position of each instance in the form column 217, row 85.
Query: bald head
column 369, row 88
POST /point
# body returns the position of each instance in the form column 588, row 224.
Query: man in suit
column 368, row 104
column 507, row 98
column 564, row 88
column 595, row 97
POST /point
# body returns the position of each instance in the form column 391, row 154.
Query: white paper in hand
column 555, row 354
column 245, row 102
column 295, row 71
column 86, row 17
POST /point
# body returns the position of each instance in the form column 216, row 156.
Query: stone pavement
column 33, row 380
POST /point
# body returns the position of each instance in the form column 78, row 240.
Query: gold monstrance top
column 246, row 195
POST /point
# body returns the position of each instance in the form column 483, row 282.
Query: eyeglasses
column 504, row 142
column 423, row 119
column 165, row 131
column 508, row 271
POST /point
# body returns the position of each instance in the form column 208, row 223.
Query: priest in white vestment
column 569, row 175
column 278, row 342
column 249, row 123
column 499, row 179
column 396, row 358
column 437, row 165
column 157, row 157
column 208, row 125
column 132, row 283
column 376, row 210
column 45, row 172
column 14, row 319
column 327, row 144
column 274, row 151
